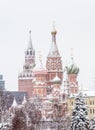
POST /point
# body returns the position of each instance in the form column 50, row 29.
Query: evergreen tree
column 92, row 124
column 79, row 120
column 19, row 120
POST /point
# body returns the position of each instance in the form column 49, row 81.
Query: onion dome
column 56, row 79
column 54, row 30
column 53, row 52
column 72, row 68
column 39, row 68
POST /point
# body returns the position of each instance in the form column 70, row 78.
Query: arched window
column 90, row 102
column 90, row 111
column 72, row 103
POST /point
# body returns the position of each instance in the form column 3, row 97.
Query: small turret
column 14, row 105
column 24, row 100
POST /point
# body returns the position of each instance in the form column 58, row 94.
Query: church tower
column 40, row 81
column 30, row 53
column 25, row 77
column 72, row 72
column 54, row 62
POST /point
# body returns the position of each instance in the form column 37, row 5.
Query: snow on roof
column 40, row 83
column 86, row 93
column 50, row 112
column 56, row 89
column 40, row 69
column 53, row 51
column 25, row 75
column 49, row 96
column 56, row 79
column 14, row 103
column 24, row 100
column 47, row 101
column 48, row 119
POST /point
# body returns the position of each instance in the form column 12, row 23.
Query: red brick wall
column 25, row 85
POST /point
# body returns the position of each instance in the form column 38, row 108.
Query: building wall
column 25, row 85
column 2, row 83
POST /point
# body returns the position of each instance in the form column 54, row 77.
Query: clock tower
column 25, row 77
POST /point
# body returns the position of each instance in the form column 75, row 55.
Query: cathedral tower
column 72, row 72
column 40, row 81
column 25, row 77
column 54, row 63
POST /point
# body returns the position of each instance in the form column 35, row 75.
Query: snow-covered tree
column 79, row 119
column 5, row 117
column 19, row 120
column 26, row 117
column 33, row 114
column 92, row 124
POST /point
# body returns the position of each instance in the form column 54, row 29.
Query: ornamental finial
column 54, row 30
column 71, row 52
column 54, row 33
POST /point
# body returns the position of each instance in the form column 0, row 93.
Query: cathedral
column 51, row 83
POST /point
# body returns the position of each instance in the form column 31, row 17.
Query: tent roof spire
column 30, row 46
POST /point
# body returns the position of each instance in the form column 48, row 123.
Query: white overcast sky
column 75, row 24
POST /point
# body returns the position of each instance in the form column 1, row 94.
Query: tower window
column 30, row 52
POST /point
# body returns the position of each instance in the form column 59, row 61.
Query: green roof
column 72, row 69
